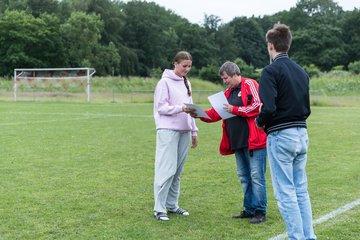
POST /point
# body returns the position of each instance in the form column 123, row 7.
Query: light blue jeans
column 251, row 169
column 287, row 151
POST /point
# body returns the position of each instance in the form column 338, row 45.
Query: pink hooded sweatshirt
column 169, row 98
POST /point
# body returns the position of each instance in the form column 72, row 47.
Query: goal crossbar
column 48, row 74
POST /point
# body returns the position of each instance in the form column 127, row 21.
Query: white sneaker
column 179, row 211
column 161, row 216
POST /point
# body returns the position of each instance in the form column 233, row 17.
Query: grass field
column 85, row 171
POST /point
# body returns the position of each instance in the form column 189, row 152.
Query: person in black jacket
column 284, row 92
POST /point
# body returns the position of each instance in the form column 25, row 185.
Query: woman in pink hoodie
column 174, row 129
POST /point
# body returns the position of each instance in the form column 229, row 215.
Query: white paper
column 217, row 101
column 198, row 110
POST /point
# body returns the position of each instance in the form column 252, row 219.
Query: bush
column 338, row 68
column 312, row 70
column 156, row 73
column 336, row 83
column 338, row 73
column 194, row 72
column 354, row 67
column 210, row 73
column 247, row 71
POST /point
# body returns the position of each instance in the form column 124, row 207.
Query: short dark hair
column 280, row 36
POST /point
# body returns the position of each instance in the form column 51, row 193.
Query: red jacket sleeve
column 249, row 90
column 212, row 114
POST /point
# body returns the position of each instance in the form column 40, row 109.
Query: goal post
column 52, row 78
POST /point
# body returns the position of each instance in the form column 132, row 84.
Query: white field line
column 76, row 114
column 332, row 123
column 47, row 121
column 83, row 117
column 326, row 217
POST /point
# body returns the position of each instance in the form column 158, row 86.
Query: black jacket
column 284, row 92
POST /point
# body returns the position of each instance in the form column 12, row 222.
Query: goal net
column 52, row 81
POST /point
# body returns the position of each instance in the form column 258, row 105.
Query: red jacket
column 257, row 137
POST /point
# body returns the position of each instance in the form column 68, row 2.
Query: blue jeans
column 251, row 168
column 287, row 150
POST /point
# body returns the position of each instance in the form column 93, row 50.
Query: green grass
column 85, row 171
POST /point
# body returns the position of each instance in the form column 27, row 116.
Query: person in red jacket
column 242, row 137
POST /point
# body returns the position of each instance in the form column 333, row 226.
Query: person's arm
column 214, row 116
column 252, row 107
column 194, row 141
column 194, row 133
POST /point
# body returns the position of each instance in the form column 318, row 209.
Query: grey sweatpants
column 171, row 151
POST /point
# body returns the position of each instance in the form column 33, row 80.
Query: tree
column 171, row 41
column 310, row 12
column 30, row 42
column 129, row 61
column 210, row 73
column 113, row 18
column 77, row 5
column 226, row 43
column 319, row 44
column 295, row 18
column 351, row 34
column 320, row 9
column 146, row 31
column 354, row 67
column 318, row 38
column 81, row 34
column 49, row 47
column 105, row 59
column 18, row 5
column 211, row 23
column 247, row 71
column 312, row 70
column 37, row 7
column 250, row 39
column 137, row 36
column 200, row 44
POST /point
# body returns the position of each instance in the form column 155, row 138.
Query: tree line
column 140, row 38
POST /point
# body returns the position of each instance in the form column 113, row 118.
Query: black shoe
column 258, row 217
column 243, row 214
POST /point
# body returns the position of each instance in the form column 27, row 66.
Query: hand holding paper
column 228, row 107
column 219, row 103
column 197, row 110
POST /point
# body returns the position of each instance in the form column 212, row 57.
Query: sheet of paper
column 198, row 110
column 217, row 101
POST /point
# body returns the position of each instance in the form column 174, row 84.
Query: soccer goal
column 52, row 80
